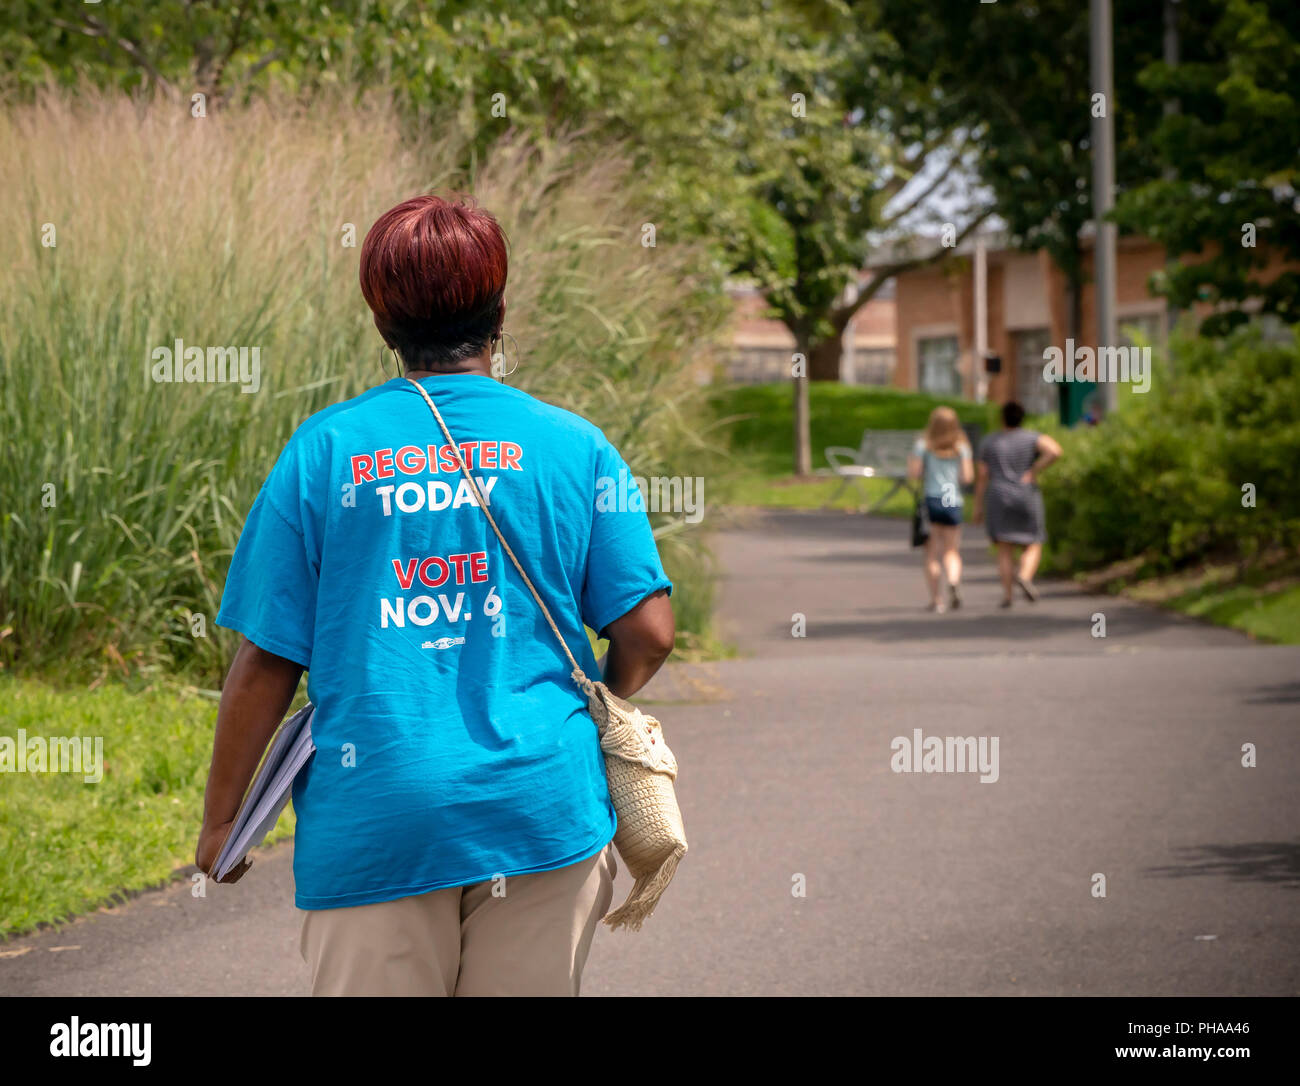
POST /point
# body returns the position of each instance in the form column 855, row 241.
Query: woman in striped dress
column 1006, row 490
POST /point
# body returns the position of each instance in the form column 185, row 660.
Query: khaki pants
column 529, row 938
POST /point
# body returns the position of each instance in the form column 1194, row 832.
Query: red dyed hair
column 433, row 272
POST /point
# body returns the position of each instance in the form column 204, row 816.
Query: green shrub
column 1164, row 477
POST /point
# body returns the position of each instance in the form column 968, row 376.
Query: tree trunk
column 824, row 358
column 802, row 432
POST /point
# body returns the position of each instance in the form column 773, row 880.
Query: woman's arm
column 967, row 465
column 981, row 485
column 639, row 643
column 257, row 694
column 914, row 467
column 1048, row 452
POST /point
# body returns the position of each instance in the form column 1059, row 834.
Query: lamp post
column 981, row 320
column 1103, row 185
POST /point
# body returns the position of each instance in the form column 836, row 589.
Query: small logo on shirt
column 443, row 643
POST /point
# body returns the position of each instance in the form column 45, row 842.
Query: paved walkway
column 1117, row 756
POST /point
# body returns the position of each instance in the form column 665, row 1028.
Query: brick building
column 762, row 348
column 1027, row 310
column 921, row 331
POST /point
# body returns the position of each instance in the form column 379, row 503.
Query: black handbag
column 920, row 520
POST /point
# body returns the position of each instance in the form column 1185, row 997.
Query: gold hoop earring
column 499, row 370
column 397, row 362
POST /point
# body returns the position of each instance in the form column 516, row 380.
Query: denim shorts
column 949, row 515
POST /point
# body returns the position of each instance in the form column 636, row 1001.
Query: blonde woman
column 941, row 461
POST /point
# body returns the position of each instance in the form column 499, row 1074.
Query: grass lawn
column 1264, row 603
column 1267, row 615
column 760, row 419
column 67, row 846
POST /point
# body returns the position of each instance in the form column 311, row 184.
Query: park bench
column 882, row 454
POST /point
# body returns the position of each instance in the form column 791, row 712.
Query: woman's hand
column 639, row 643
column 211, row 838
column 1048, row 452
column 258, row 692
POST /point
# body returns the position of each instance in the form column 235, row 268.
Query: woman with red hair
column 454, row 824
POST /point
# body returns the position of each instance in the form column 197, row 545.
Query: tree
column 830, row 137
column 1229, row 201
column 1018, row 77
column 787, row 134
column 174, row 47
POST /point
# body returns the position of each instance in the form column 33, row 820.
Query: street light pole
column 1171, row 106
column 981, row 320
column 1103, row 186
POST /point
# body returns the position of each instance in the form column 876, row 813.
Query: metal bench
column 881, row 455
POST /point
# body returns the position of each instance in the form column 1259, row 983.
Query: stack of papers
column 290, row 748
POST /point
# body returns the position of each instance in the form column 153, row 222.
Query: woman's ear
column 501, row 316
column 387, row 342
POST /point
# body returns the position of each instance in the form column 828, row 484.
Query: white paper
column 269, row 792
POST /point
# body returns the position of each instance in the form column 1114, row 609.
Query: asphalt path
column 817, row 869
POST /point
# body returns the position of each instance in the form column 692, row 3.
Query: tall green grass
column 121, row 499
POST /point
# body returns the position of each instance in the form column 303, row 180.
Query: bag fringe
column 645, row 895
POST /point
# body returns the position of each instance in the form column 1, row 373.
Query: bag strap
column 578, row 676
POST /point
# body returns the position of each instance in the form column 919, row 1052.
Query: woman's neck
column 481, row 371
column 480, row 365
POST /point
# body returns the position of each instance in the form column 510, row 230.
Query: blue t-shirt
column 451, row 744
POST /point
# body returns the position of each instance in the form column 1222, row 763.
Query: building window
column 1149, row 327
column 938, row 374
column 1272, row 327
column 759, row 365
column 871, row 366
column 1035, row 395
